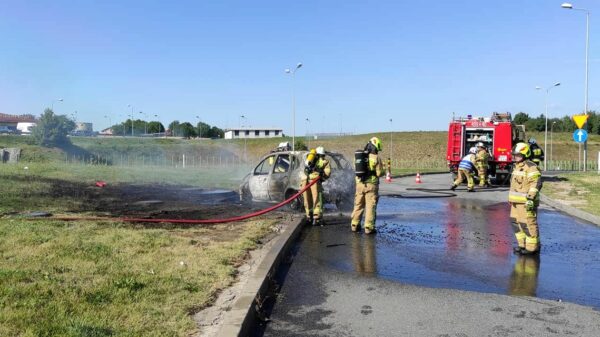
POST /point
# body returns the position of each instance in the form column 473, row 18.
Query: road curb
column 240, row 320
column 570, row 210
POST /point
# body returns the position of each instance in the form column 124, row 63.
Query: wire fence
column 174, row 161
column 194, row 161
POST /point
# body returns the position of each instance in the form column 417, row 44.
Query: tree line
column 563, row 124
column 176, row 129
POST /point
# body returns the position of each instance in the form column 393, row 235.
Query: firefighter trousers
column 465, row 175
column 482, row 172
column 525, row 225
column 313, row 200
column 365, row 200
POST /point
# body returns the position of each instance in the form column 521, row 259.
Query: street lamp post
column 109, row 123
column 567, row 5
column 131, row 106
column 546, row 126
column 293, row 73
column 199, row 127
column 55, row 100
column 245, row 138
column 551, row 142
column 390, row 142
column 145, row 122
column 308, row 132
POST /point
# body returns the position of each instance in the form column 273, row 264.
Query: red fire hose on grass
column 191, row 221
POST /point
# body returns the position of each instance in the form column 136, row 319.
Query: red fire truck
column 497, row 133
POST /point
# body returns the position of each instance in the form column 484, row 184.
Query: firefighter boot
column 453, row 187
column 355, row 227
column 309, row 219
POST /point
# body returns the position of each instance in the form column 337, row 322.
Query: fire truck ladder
column 456, row 143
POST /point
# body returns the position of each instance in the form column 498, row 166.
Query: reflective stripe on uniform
column 534, row 174
column 519, row 173
column 517, row 197
column 532, row 240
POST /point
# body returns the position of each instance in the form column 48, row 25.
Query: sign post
column 580, row 121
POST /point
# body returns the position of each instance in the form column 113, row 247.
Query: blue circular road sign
column 580, row 135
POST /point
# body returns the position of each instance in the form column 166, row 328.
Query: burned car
column 279, row 174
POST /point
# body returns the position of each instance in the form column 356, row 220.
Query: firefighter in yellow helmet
column 315, row 166
column 367, row 189
column 524, row 194
column 481, row 161
column 537, row 154
column 466, row 167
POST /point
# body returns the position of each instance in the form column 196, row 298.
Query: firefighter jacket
column 482, row 158
column 376, row 170
column 525, row 182
column 537, row 154
column 321, row 169
column 467, row 163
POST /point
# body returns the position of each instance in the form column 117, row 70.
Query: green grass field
column 580, row 190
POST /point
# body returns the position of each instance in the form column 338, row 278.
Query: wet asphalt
column 439, row 265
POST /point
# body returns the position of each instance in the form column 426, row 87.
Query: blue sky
column 364, row 61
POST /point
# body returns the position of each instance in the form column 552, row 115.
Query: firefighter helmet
column 320, row 150
column 376, row 142
column 480, row 144
column 522, row 149
column 532, row 140
column 473, row 150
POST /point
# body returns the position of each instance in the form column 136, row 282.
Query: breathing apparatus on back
column 361, row 158
column 310, row 162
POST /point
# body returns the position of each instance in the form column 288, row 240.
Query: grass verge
column 110, row 279
column 580, row 190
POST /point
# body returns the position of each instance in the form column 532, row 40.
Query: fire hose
column 191, row 221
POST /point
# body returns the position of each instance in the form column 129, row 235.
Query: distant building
column 253, row 133
column 107, row 132
column 14, row 120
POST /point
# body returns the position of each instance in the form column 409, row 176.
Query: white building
column 253, row 133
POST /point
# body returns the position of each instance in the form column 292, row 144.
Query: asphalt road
column 440, row 267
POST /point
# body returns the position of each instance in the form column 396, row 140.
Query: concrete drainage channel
column 241, row 319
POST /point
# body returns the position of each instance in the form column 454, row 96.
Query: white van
column 25, row 127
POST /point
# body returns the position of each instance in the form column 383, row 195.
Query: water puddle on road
column 467, row 244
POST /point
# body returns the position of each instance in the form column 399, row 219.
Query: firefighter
column 466, row 167
column 537, row 154
column 367, row 189
column 316, row 166
column 481, row 160
column 525, row 186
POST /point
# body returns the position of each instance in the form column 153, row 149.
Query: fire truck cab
column 498, row 133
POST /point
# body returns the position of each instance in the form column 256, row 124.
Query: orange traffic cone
column 388, row 177
column 418, row 179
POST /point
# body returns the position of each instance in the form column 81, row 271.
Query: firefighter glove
column 529, row 205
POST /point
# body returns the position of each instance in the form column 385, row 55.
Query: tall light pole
column 55, row 100
column 145, row 121
column 245, row 138
column 109, row 123
column 567, row 5
column 551, row 133
column 158, row 121
column 308, row 132
column 546, row 115
column 293, row 73
column 131, row 106
column 391, row 139
column 199, row 127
